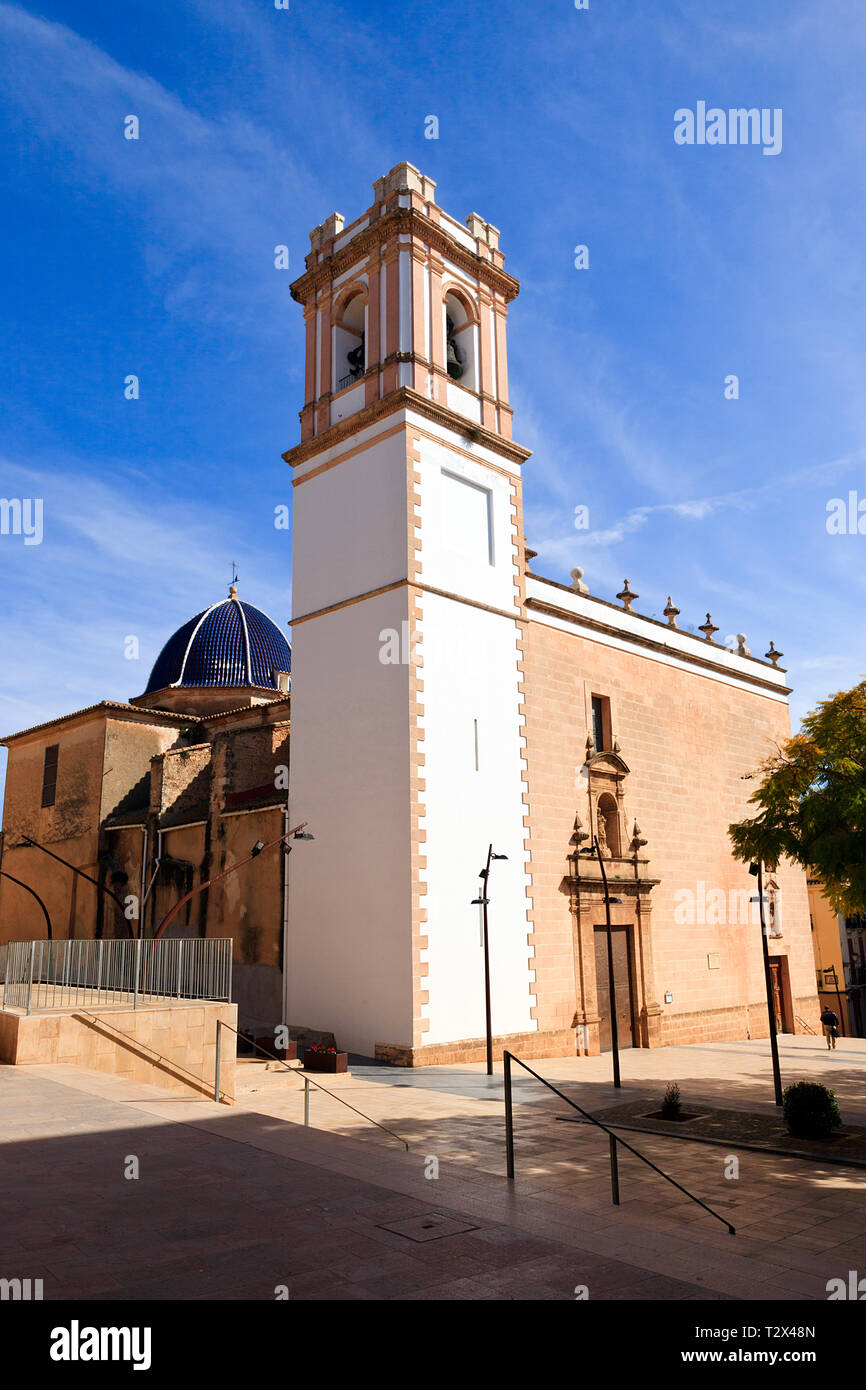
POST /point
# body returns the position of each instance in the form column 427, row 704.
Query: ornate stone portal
column 630, row 881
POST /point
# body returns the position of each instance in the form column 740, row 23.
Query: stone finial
column 637, row 843
column 233, row 593
column 483, row 231
column 773, row 655
column 590, row 747
column 579, row 833
column 404, row 178
column 671, row 612
column 616, row 748
column 627, row 598
column 331, row 227
column 742, row 649
column 577, row 583
column 708, row 628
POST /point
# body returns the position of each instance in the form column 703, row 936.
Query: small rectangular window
column 600, row 723
column 49, row 775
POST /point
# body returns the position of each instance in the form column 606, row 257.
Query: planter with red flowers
column 325, row 1059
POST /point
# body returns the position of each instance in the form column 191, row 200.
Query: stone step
column 254, row 1074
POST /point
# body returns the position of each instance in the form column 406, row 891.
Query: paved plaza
column 237, row 1202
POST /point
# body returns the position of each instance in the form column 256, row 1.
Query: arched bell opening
column 461, row 341
column 350, row 336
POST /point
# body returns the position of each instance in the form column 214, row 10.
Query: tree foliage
column 812, row 801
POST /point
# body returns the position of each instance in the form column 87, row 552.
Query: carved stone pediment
column 610, row 763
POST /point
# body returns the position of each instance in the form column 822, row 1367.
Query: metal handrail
column 508, row 1058
column 195, row 1082
column 308, row 1081
column 82, row 972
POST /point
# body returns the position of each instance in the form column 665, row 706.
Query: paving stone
column 231, row 1202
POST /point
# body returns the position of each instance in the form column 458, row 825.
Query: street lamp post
column 298, row 832
column 482, row 902
column 33, row 893
column 757, row 870
column 614, row 1030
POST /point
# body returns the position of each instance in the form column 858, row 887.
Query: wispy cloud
column 195, row 185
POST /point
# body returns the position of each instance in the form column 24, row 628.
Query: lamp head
column 499, row 856
column 479, row 902
column 303, row 835
column 754, row 870
column 257, row 848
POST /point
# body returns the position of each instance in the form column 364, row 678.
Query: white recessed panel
column 466, row 519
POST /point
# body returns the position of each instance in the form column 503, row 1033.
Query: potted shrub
column 811, row 1111
column 319, row 1058
column 671, row 1106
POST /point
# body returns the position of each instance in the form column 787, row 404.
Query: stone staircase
column 255, row 1074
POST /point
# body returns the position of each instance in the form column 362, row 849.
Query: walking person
column 831, row 1027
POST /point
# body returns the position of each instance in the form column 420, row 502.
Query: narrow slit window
column 49, row 775
column 600, row 723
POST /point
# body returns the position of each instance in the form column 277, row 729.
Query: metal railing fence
column 613, row 1139
column 42, row 975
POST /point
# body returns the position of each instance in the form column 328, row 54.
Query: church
column 441, row 698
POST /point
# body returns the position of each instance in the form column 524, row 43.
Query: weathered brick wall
column 252, row 756
column 129, row 746
column 79, row 783
column 688, row 740
column 69, row 827
column 180, row 779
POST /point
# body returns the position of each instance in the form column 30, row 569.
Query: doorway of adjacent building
column 624, row 993
column 778, row 971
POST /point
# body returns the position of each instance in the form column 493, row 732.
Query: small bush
column 671, row 1107
column 811, row 1111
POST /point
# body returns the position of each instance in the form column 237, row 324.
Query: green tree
column 812, row 801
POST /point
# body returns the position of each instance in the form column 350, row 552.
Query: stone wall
column 173, row 1047
column 689, row 741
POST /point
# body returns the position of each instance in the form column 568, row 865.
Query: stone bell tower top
column 404, row 306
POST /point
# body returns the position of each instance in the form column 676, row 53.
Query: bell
column 454, row 357
column 355, row 358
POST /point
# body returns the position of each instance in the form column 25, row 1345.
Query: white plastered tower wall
column 472, row 741
column 407, row 748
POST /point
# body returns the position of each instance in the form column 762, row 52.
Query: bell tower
column 407, row 752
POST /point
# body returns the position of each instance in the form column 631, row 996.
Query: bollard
column 509, row 1117
column 216, row 1080
column 306, row 1101
column 614, row 1172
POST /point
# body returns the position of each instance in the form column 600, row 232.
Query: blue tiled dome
column 230, row 643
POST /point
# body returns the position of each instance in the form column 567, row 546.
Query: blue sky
column 155, row 257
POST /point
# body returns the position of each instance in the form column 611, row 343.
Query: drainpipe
column 285, row 924
column 144, row 838
column 156, row 863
